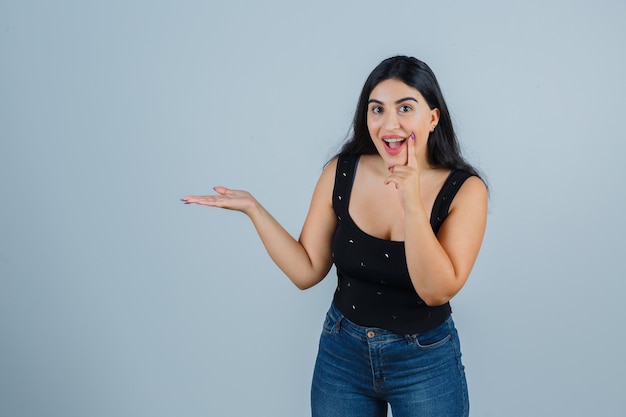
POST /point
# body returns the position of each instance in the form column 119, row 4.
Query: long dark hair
column 443, row 150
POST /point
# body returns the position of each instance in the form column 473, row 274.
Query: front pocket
column 434, row 338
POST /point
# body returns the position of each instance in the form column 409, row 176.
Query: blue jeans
column 360, row 370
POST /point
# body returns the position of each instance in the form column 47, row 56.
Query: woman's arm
column 305, row 261
column 440, row 265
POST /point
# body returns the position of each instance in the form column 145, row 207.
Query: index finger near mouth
column 411, row 159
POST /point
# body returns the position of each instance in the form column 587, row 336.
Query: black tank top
column 374, row 287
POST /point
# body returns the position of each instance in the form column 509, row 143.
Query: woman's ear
column 434, row 116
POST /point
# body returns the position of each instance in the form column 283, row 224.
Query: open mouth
column 395, row 143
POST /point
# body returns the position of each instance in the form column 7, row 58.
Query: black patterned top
column 374, row 287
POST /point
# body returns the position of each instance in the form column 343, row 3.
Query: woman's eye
column 405, row 108
column 377, row 109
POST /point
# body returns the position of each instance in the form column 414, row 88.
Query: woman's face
column 395, row 110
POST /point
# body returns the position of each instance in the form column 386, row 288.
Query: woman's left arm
column 440, row 265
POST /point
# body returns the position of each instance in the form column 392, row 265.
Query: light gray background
column 118, row 300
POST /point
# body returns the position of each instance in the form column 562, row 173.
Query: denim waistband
column 371, row 334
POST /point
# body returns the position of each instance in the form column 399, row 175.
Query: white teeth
column 394, row 140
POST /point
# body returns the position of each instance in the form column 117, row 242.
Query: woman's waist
column 396, row 313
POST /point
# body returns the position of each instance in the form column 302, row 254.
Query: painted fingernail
column 412, row 136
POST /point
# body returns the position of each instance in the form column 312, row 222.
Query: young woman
column 402, row 216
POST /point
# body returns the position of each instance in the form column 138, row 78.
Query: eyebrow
column 397, row 101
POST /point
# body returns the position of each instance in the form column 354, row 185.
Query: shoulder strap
column 445, row 197
column 344, row 178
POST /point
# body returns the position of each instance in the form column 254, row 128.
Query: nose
column 390, row 121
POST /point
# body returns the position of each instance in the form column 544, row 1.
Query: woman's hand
column 226, row 198
column 406, row 178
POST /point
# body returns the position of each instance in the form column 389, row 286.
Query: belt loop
column 338, row 324
column 410, row 338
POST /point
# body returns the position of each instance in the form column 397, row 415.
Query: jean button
column 371, row 334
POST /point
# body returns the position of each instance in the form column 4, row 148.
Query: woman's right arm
column 305, row 261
